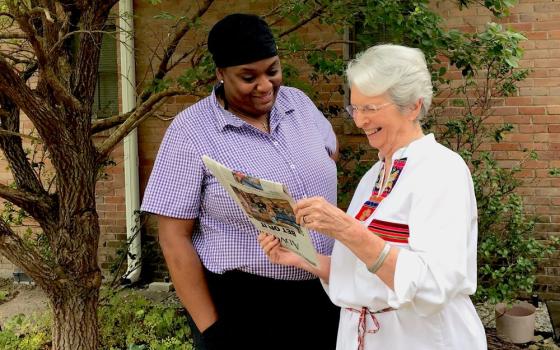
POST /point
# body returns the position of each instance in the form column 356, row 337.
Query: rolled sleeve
column 175, row 183
column 326, row 130
column 323, row 125
column 435, row 269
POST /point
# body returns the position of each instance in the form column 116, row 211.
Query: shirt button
column 275, row 143
column 292, row 166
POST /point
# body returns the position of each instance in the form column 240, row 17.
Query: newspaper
column 268, row 206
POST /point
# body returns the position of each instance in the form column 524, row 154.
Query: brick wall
column 535, row 113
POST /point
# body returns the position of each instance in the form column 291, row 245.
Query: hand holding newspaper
column 268, row 206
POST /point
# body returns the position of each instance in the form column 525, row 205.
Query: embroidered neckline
column 371, row 204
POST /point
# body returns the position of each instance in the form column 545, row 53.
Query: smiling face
column 251, row 89
column 389, row 128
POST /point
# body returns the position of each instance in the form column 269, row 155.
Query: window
column 106, row 100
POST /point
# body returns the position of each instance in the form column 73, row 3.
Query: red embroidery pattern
column 390, row 231
column 369, row 207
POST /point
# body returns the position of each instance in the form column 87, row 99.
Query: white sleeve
column 439, row 263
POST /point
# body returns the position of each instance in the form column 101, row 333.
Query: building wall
column 535, row 110
column 535, row 113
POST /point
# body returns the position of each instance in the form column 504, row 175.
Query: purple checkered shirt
column 295, row 153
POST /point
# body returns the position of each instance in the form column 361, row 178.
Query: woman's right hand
column 278, row 254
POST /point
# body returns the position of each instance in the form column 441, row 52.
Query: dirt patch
column 24, row 299
column 7, row 290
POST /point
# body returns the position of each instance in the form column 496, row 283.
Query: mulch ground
column 495, row 343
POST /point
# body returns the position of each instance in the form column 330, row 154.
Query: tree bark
column 75, row 319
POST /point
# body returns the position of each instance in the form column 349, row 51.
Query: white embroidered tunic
column 429, row 213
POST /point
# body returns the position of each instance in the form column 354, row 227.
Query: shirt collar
column 225, row 118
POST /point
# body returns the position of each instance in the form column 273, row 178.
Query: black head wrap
column 240, row 39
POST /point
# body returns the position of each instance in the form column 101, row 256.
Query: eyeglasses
column 366, row 109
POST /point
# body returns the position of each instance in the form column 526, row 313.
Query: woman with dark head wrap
column 253, row 124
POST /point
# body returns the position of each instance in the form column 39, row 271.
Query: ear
column 415, row 110
column 219, row 74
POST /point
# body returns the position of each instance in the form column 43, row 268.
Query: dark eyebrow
column 249, row 70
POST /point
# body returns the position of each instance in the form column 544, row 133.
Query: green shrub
column 127, row 319
column 130, row 321
column 508, row 251
column 4, row 294
column 26, row 333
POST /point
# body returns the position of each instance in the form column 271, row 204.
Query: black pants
column 267, row 314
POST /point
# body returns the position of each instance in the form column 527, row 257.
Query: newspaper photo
column 268, row 206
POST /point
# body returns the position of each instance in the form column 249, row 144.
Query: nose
column 264, row 84
column 360, row 119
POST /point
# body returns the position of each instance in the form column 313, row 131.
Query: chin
column 373, row 142
column 267, row 107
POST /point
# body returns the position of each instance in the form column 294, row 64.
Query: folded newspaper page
column 269, row 207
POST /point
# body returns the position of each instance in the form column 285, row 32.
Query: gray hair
column 397, row 70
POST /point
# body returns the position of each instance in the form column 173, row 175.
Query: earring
column 222, row 82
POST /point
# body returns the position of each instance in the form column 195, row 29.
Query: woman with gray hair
column 404, row 261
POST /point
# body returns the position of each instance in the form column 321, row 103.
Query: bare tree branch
column 318, row 12
column 41, row 11
column 11, row 133
column 273, row 12
column 29, row 71
column 154, row 109
column 4, row 36
column 35, row 205
column 24, row 21
column 7, row 14
column 327, row 45
column 108, row 123
column 15, row 60
column 172, row 47
column 74, row 32
column 11, row 144
column 84, row 72
column 185, row 55
column 24, row 255
column 139, row 113
column 60, row 92
column 16, row 89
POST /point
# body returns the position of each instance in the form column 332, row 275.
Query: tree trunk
column 75, row 295
column 75, row 319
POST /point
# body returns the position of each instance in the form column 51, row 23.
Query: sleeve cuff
column 407, row 276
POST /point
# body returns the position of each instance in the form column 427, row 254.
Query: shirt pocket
column 218, row 205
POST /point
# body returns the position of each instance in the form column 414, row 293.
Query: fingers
column 307, row 202
column 304, row 208
column 311, row 209
column 261, row 236
column 267, row 242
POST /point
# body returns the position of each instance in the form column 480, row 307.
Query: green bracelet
column 380, row 259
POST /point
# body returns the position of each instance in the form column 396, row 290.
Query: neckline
column 403, row 149
column 263, row 126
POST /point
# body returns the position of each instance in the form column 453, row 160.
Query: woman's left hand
column 317, row 214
